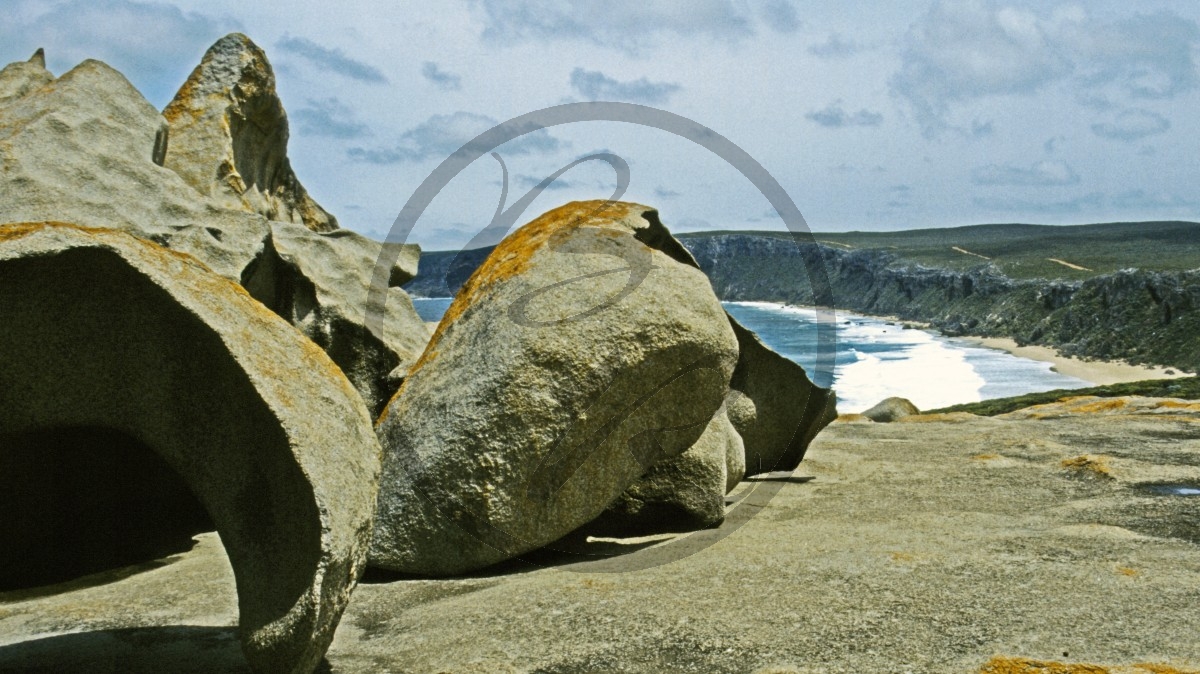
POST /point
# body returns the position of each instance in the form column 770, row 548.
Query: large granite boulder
column 88, row 148
column 229, row 136
column 779, row 410
column 587, row 348
column 891, row 409
column 681, row 493
column 128, row 343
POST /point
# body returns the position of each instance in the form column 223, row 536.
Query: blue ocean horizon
column 875, row 358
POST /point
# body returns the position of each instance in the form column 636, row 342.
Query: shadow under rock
column 574, row 548
column 173, row 648
column 139, row 650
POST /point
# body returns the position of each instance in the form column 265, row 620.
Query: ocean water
column 875, row 359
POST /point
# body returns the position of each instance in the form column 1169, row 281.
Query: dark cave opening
column 83, row 500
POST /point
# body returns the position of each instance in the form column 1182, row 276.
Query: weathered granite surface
column 102, row 330
column 930, row 545
column 582, row 352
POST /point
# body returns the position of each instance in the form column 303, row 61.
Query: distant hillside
column 1026, row 251
column 1128, row 291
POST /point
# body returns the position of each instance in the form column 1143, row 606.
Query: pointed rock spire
column 21, row 77
column 229, row 134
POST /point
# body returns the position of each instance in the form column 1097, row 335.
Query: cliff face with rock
column 1145, row 317
column 1141, row 316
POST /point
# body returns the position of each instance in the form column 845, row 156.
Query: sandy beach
column 1095, row 371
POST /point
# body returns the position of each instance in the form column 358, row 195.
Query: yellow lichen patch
column 1106, row 405
column 1178, row 405
column 16, row 230
column 937, row 418
column 1155, row 668
column 1126, row 571
column 1005, row 665
column 512, row 256
column 1091, row 465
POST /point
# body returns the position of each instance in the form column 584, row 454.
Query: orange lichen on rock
column 1179, row 405
column 512, row 256
column 1092, row 465
column 1006, row 665
column 1100, row 406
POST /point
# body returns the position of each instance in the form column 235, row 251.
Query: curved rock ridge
column 776, row 408
column 87, row 148
column 587, row 348
column 229, row 136
column 103, row 330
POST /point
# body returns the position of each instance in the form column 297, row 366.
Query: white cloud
column 328, row 117
column 1145, row 56
column 1086, row 202
column 961, row 51
column 596, row 86
column 440, row 78
column 833, row 116
column 1042, row 174
column 331, row 60
column 1132, row 125
column 442, row 135
column 625, row 25
column 964, row 51
column 835, row 46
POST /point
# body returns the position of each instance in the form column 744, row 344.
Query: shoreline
column 1099, row 372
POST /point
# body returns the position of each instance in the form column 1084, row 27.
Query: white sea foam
column 876, row 359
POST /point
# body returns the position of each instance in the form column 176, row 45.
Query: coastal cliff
column 1141, row 315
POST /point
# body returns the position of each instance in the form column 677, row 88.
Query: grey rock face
column 229, row 137
column 686, row 491
column 779, row 410
column 320, row 282
column 102, row 330
column 891, row 409
column 19, row 78
column 586, row 349
column 82, row 147
column 87, row 148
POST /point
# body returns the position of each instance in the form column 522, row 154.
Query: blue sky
column 872, row 115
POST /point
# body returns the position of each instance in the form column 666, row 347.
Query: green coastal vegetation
column 1187, row 388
